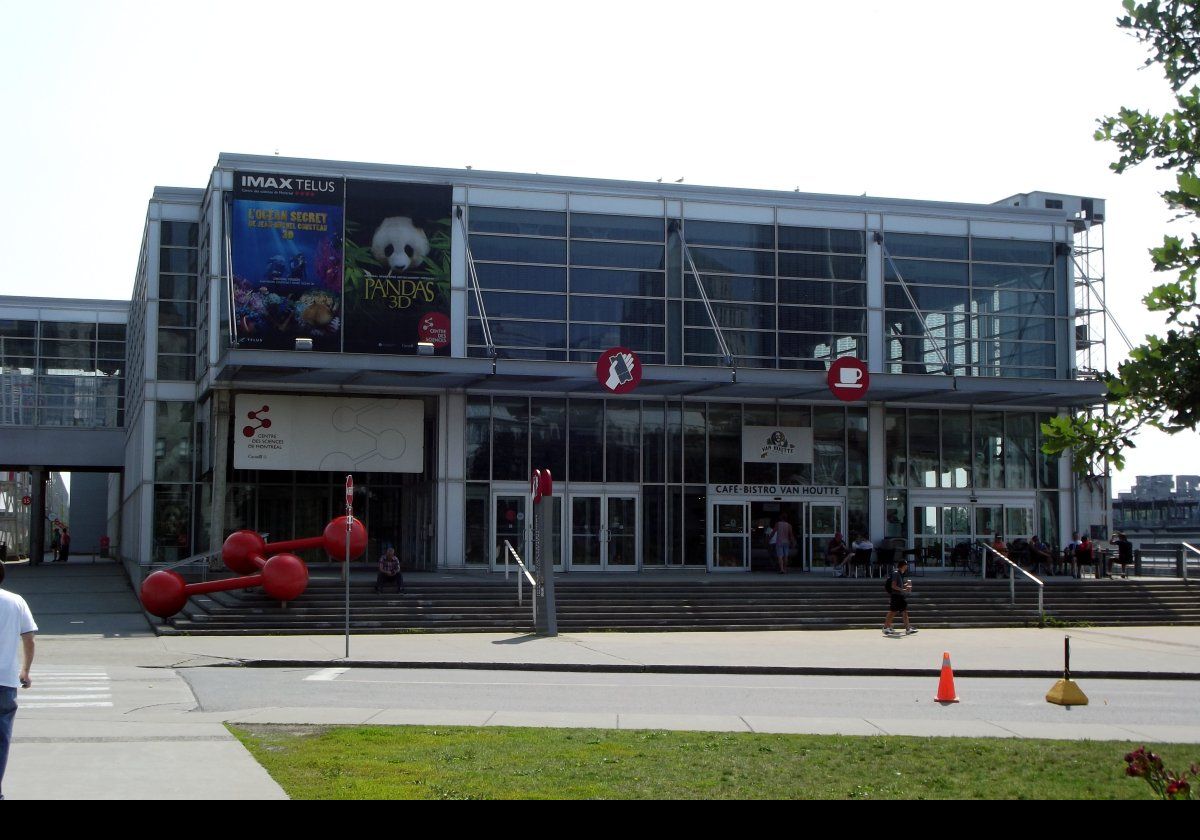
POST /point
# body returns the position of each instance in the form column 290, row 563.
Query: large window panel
column 724, row 443
column 956, row 449
column 521, row 278
column 510, row 439
column 829, row 446
column 617, row 310
column 929, row 273
column 614, row 255
column 895, row 431
column 548, row 436
column 731, row 234
column 586, row 440
column 924, row 448
column 604, row 336
column 821, row 239
column 599, row 281
column 740, row 343
column 479, row 438
column 732, row 315
column 989, row 449
column 1012, row 251
column 928, row 298
column 528, row 334
column 926, row 245
column 718, row 261
column 530, row 306
column 729, row 287
column 821, row 267
column 1012, row 303
column 512, row 249
column 1034, row 278
column 522, row 222
column 625, row 228
column 1020, row 459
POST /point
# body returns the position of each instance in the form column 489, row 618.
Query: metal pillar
column 37, row 516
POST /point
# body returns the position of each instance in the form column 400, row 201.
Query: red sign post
column 848, row 379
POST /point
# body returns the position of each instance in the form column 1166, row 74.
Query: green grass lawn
column 424, row 762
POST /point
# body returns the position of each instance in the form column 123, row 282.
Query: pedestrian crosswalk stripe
column 64, row 688
column 65, row 705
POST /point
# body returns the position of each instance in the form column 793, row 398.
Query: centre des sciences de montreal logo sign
column 619, row 370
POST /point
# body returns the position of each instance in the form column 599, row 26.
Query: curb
column 745, row 670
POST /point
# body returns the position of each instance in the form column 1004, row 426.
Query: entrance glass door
column 604, row 533
column 938, row 527
column 823, row 522
column 511, row 522
column 730, row 539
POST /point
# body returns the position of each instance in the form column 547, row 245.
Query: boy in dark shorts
column 896, row 587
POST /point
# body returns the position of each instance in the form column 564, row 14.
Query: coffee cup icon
column 850, row 377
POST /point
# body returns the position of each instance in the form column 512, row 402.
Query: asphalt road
column 1112, row 702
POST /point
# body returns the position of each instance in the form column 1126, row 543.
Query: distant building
column 1160, row 508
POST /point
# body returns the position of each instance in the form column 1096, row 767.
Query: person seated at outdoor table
column 1070, row 556
column 1084, row 554
column 862, row 548
column 960, row 555
column 837, row 555
column 1039, row 555
column 1124, row 551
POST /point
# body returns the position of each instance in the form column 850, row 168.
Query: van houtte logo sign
column 777, row 444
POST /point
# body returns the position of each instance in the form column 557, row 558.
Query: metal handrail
column 524, row 571
column 1012, row 579
column 1192, row 548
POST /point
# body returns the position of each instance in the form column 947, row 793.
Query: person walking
column 389, row 572
column 783, row 538
column 897, row 587
column 16, row 622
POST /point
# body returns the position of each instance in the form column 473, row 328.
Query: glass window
column 603, row 336
column 805, row 319
column 176, row 314
column 179, row 234
column 856, row 446
column 1013, row 277
column 586, row 441
column 740, row 343
column 548, row 436
column 799, row 416
column 956, row 449
column 68, row 330
column 896, row 443
column 1011, row 302
column 819, row 267
column 177, row 260
column 478, row 520
column 1047, row 464
column 718, row 261
column 628, row 228
column 1019, row 451
column 694, row 453
column 173, row 441
column 829, row 446
column 732, row 234
column 177, row 287
column 617, row 310
column 928, row 298
column 599, row 281
column 172, row 522
column 925, row 245
column 654, row 431
column 622, row 436
column 896, row 507
column 522, row 222
column 521, row 278
column 654, row 526
column 613, row 255
column 729, row 287
column 509, row 249
column 929, row 273
column 732, row 315
column 821, row 239
column 924, row 445
column 177, row 368
column 1012, row 251
column 989, row 449
column 479, row 438
column 510, row 439
column 820, row 293
column 509, row 305
column 724, row 443
column 753, row 472
column 527, row 334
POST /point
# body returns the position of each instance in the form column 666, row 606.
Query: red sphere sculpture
column 163, row 594
column 335, row 539
column 283, row 576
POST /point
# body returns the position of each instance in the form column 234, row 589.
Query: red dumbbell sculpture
column 283, row 576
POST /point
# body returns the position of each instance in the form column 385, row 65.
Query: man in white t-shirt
column 16, row 623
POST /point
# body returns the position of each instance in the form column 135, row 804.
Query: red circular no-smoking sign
column 619, row 370
column 848, row 379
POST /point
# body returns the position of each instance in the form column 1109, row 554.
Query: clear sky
column 920, row 99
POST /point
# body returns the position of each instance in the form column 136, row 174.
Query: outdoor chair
column 862, row 560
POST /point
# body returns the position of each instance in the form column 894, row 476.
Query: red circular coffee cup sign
column 434, row 327
column 619, row 370
column 848, row 379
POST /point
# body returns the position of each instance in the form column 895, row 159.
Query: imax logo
column 270, row 182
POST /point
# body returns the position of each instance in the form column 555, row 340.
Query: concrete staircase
column 754, row 602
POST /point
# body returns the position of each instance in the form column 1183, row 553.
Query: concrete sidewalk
column 134, row 730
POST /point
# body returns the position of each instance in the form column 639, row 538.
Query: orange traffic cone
column 946, row 692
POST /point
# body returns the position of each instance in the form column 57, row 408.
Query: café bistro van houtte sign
column 776, row 491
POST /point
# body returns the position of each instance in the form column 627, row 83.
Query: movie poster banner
column 285, row 234
column 397, row 267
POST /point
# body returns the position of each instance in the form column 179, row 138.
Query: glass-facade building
column 735, row 302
